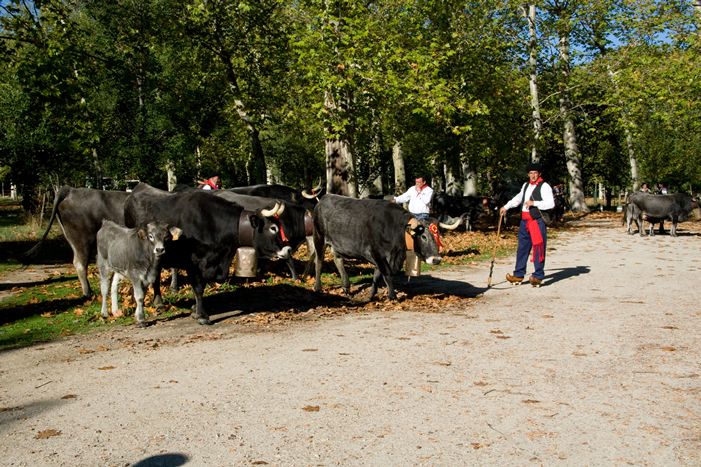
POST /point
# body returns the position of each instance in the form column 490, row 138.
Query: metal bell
column 246, row 262
column 412, row 264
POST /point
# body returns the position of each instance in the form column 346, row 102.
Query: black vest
column 535, row 196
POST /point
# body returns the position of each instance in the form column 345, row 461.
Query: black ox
column 212, row 229
column 377, row 231
column 296, row 223
column 80, row 212
column 675, row 207
column 302, row 197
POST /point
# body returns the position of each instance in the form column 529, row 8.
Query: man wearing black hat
column 535, row 196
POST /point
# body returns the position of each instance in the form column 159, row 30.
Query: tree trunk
column 632, row 156
column 452, row 183
column 572, row 156
column 170, row 173
column 533, row 81
column 470, row 179
column 256, row 164
column 399, row 169
column 339, row 168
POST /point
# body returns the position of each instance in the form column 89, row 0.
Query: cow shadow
column 283, row 297
column 275, row 298
column 14, row 313
column 47, row 281
column 426, row 285
column 163, row 460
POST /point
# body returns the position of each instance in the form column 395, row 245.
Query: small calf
column 132, row 253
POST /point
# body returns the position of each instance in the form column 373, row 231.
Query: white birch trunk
column 170, row 173
column 470, row 179
column 399, row 169
column 533, row 81
column 572, row 156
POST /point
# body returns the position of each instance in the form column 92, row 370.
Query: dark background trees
column 97, row 92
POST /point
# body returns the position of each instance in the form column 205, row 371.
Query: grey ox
column 675, row 207
column 134, row 254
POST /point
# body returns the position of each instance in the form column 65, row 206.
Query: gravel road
column 600, row 366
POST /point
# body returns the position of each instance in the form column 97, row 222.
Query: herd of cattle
column 134, row 235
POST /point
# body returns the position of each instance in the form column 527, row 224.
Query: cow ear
column 412, row 225
column 141, row 233
column 254, row 220
column 175, row 232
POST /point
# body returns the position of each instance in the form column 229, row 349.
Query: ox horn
column 452, row 226
column 280, row 210
column 270, row 212
column 315, row 190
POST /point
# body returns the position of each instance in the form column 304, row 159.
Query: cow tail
column 58, row 199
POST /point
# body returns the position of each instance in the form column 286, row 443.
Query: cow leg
column 673, row 230
column 115, row 294
column 345, row 281
column 312, row 256
column 651, row 230
column 318, row 260
column 376, row 276
column 80, row 262
column 157, row 299
column 173, row 281
column 198, row 312
column 387, row 275
column 139, row 298
column 291, row 266
column 105, row 277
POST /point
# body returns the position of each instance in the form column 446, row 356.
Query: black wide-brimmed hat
column 534, row 166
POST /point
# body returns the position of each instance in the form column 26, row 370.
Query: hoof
column 204, row 321
column 142, row 324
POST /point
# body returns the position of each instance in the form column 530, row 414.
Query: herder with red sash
column 535, row 196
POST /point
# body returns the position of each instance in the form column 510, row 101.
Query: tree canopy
column 97, row 92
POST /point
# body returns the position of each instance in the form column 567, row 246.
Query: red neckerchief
column 212, row 184
column 419, row 190
column 536, row 237
column 540, row 179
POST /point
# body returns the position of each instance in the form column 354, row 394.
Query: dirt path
column 601, row 366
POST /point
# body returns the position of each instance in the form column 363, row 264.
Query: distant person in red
column 212, row 183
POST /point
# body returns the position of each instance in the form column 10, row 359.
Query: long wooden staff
column 494, row 254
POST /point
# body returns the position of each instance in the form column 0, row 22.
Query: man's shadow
column 565, row 273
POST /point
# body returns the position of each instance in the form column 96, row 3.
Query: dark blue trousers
column 524, row 249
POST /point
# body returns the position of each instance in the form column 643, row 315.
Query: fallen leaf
column 310, row 350
column 78, row 312
column 70, row 396
column 107, row 367
column 259, row 463
column 47, row 434
column 668, row 349
column 530, row 401
column 47, row 314
column 311, row 408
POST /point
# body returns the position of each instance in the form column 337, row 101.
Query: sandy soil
column 600, row 366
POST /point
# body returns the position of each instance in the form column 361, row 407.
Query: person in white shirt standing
column 535, row 196
column 419, row 197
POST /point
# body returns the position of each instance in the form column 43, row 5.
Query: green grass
column 48, row 311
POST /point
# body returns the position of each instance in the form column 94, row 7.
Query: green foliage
column 103, row 89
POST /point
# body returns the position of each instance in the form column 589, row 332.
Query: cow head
column 425, row 240
column 158, row 234
column 269, row 238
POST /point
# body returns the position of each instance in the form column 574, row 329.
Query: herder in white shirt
column 419, row 197
column 535, row 196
